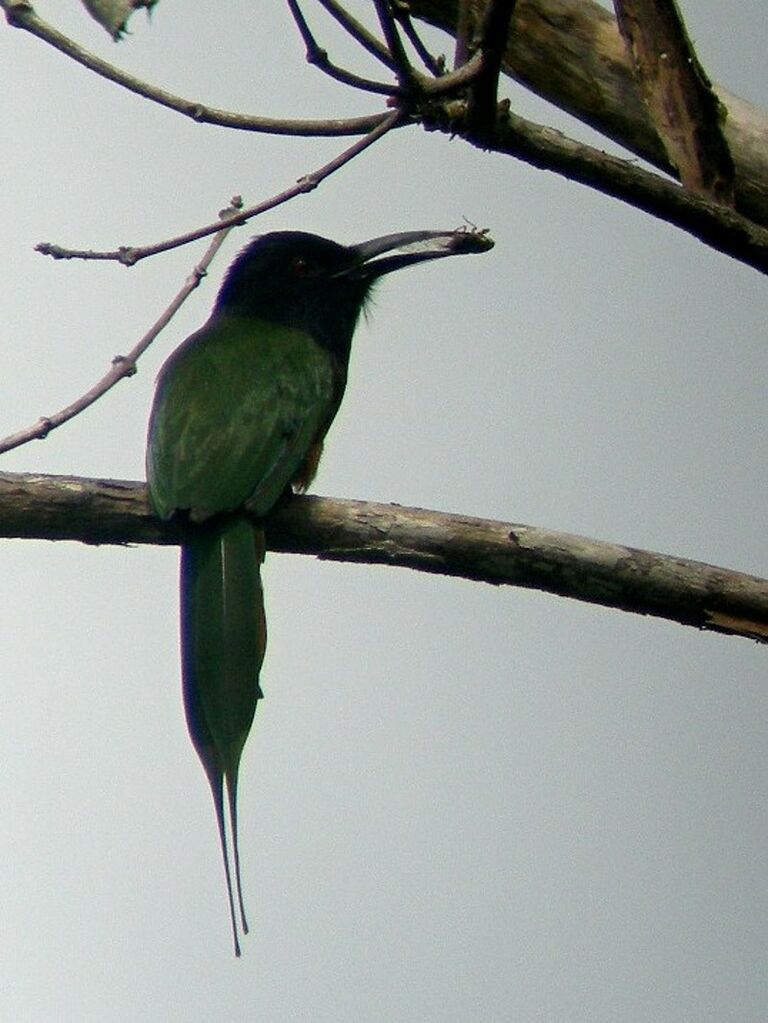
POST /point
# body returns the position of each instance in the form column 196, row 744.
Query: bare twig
column 402, row 12
column 712, row 223
column 464, row 33
column 359, row 32
column 386, row 124
column 447, row 85
column 129, row 255
column 481, row 108
column 20, row 14
column 318, row 57
column 679, row 95
column 125, row 365
column 403, row 68
column 502, row 553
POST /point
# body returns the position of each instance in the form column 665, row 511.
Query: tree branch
column 20, row 14
column 131, row 254
column 402, row 65
column 483, row 96
column 125, row 365
column 318, row 57
column 716, row 225
column 732, row 234
column 679, row 95
column 463, row 32
column 642, row 582
column 571, row 53
column 402, row 13
column 359, row 32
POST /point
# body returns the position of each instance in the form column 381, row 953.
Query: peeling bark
column 678, row 95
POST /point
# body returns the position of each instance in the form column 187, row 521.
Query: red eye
column 301, row 267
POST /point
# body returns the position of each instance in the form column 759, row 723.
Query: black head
column 304, row 281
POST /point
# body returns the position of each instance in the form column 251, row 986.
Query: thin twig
column 464, row 33
column 359, row 32
column 318, row 57
column 129, row 255
column 402, row 12
column 454, row 82
column 395, row 46
column 20, row 14
column 125, row 365
column 386, row 124
column 481, row 109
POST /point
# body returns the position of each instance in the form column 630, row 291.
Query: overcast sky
column 458, row 802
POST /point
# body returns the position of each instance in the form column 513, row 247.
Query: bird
column 239, row 417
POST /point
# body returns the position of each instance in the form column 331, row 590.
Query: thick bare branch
column 642, row 582
column 463, row 30
column 571, row 53
column 679, row 95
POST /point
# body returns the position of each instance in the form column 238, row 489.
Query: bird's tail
column 223, row 639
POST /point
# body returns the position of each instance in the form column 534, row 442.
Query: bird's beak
column 380, row 256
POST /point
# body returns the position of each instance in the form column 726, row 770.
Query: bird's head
column 301, row 280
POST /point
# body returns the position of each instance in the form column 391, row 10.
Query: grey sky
column 458, row 802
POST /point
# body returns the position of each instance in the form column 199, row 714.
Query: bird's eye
column 301, row 267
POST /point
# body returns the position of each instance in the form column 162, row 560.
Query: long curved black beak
column 380, row 256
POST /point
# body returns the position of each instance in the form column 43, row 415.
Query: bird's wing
column 236, row 410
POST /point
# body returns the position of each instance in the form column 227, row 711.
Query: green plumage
column 237, row 408
column 223, row 639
